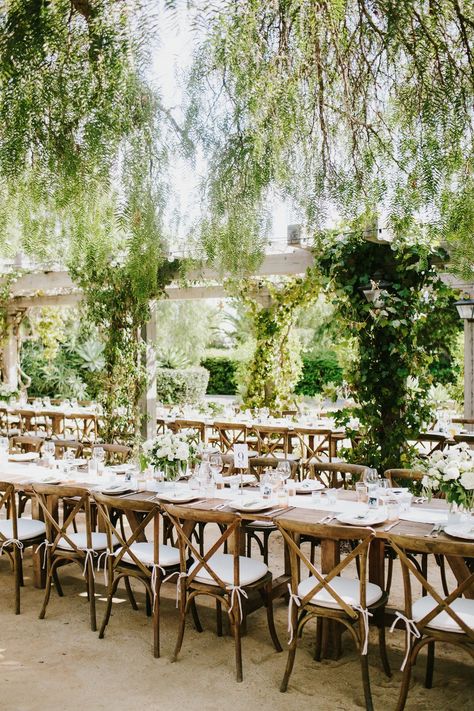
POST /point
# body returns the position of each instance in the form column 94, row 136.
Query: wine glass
column 68, row 458
column 4, row 448
column 98, row 455
column 48, row 450
column 216, row 464
column 284, row 469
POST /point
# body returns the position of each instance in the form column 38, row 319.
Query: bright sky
column 171, row 60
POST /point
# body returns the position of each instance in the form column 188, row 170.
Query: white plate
column 176, row 498
column 23, row 457
column 250, row 505
column 369, row 518
column 422, row 515
column 306, row 486
column 49, row 480
column 113, row 490
column 461, row 530
column 236, row 479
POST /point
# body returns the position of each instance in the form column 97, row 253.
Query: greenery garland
column 274, row 370
column 407, row 325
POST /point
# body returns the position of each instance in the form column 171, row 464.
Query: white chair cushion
column 27, row 528
column 347, row 588
column 168, row 555
column 261, row 524
column 462, row 607
column 99, row 541
column 222, row 564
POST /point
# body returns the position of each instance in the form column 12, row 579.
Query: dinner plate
column 461, row 530
column 236, row 479
column 23, row 457
column 49, row 480
column 367, row 518
column 113, row 490
column 306, row 486
column 250, row 505
column 423, row 515
column 178, row 498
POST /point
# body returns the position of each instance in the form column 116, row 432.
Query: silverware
column 392, row 525
column 220, row 506
column 439, row 530
column 433, row 531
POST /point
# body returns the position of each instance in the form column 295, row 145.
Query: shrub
column 181, row 385
column 317, row 372
column 222, row 375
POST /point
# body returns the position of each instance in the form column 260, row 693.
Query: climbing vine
column 271, row 376
column 408, row 323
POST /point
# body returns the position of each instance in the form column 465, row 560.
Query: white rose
column 451, row 473
column 182, row 451
column 436, row 457
column 467, row 480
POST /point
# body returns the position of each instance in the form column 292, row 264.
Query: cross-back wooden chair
column 466, row 438
column 63, row 547
column 225, row 577
column 27, row 421
column 16, row 534
column 315, row 445
column 335, row 475
column 82, row 426
column 274, row 441
column 114, row 453
column 435, row 617
column 9, row 425
column 403, row 477
column 331, row 596
column 133, row 555
column 61, row 445
column 197, row 428
column 230, row 433
column 429, row 442
column 49, row 423
column 26, row 443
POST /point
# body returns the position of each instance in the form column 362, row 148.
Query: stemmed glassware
column 48, row 450
column 4, row 448
column 216, row 464
column 98, row 455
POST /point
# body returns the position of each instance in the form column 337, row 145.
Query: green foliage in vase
column 270, row 377
column 354, row 104
column 399, row 334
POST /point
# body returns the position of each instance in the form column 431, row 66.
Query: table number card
column 241, row 456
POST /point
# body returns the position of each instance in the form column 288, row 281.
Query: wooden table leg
column 331, row 647
column 377, row 562
column 461, row 572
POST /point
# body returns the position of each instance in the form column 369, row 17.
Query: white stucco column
column 149, row 333
column 10, row 355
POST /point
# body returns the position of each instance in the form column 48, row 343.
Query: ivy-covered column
column 10, row 353
column 148, row 399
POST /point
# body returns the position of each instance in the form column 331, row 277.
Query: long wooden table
column 299, row 513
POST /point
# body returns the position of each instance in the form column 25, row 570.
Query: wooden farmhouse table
column 300, row 510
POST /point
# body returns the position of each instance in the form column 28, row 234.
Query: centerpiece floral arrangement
column 451, row 473
column 172, row 450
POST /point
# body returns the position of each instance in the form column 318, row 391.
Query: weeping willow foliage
column 346, row 103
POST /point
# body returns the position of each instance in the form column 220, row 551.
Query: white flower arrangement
column 451, row 473
column 171, row 447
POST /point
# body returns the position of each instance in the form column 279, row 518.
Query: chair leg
column 405, row 685
column 289, row 664
column 181, row 626
column 270, row 618
column 238, row 648
column 130, row 594
column 194, row 612
column 430, row 665
column 389, row 575
column 91, row 591
column 364, row 663
column 147, row 604
column 57, row 583
column 17, row 577
column 47, row 594
column 424, row 570
column 108, row 609
column 219, row 618
column 319, row 640
column 156, row 621
column 383, row 648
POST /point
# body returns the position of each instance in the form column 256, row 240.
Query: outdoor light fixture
column 465, row 309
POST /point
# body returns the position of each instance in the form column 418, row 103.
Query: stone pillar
column 469, row 369
column 149, row 334
column 10, row 355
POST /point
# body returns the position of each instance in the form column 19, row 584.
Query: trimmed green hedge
column 317, row 372
column 181, row 385
column 222, row 375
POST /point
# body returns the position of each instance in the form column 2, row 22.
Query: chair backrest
column 335, row 474
column 26, row 443
column 82, row 425
column 230, row 433
column 60, row 446
column 430, row 442
column 405, row 546
column 27, row 420
column 149, row 516
column 114, row 453
column 48, row 496
column 314, row 442
column 292, row 532
column 402, row 476
column 196, row 428
column 272, row 439
column 229, row 525
column 8, row 505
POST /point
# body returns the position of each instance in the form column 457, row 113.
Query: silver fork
column 434, row 531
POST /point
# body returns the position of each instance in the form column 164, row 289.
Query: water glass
column 98, row 455
column 332, row 497
column 316, row 498
column 361, row 492
column 405, row 501
column 4, row 448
